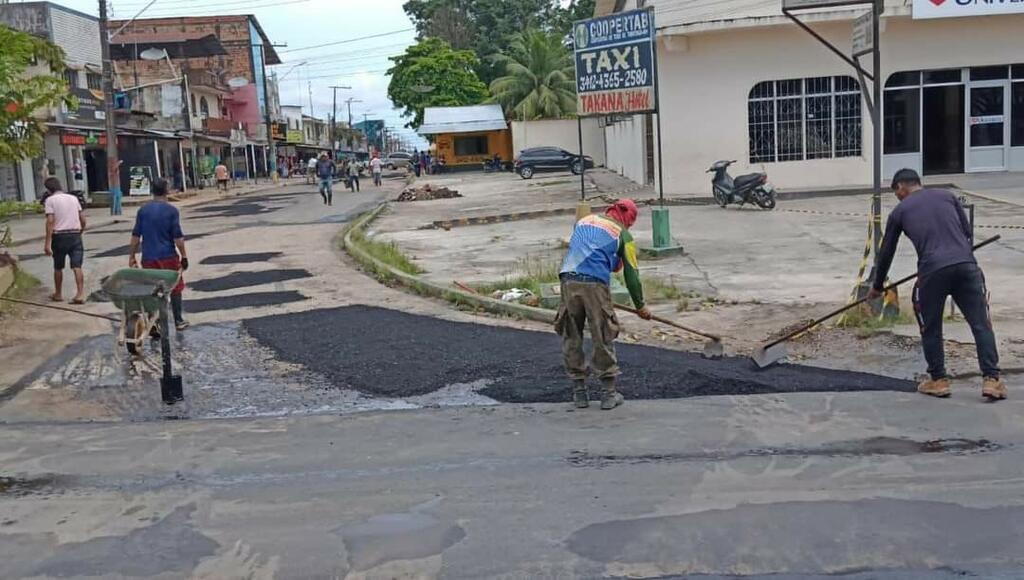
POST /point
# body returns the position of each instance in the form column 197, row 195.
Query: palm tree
column 539, row 81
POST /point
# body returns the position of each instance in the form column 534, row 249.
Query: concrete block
column 551, row 294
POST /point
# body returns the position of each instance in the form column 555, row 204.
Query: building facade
column 73, row 146
column 738, row 80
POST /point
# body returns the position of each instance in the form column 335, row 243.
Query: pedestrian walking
column 65, row 222
column 325, row 170
column 223, row 176
column 353, row 175
column 415, row 161
column 377, row 169
column 158, row 231
column 937, row 226
column 599, row 246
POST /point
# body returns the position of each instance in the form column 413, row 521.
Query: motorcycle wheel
column 765, row 200
column 723, row 202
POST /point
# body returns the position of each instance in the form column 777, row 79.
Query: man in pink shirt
column 65, row 222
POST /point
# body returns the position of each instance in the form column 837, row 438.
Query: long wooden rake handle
column 859, row 302
column 674, row 324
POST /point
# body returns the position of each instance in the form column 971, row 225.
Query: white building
column 740, row 81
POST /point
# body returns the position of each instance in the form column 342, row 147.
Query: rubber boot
column 610, row 396
column 580, row 396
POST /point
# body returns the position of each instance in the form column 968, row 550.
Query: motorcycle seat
column 747, row 180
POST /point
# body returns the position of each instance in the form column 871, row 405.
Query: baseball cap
column 905, row 175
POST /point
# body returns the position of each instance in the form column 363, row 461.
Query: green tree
column 23, row 92
column 539, row 81
column 432, row 74
column 489, row 27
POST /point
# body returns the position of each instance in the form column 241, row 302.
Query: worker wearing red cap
column 599, row 246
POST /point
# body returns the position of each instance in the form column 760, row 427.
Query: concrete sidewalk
column 31, row 228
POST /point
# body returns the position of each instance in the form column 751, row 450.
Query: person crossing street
column 935, row 222
column 599, row 246
column 158, row 231
column 325, row 169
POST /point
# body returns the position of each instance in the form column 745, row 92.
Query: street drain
column 875, row 446
column 240, row 258
column 253, row 300
column 246, row 279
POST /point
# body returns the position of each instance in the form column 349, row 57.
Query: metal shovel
column 770, row 353
column 713, row 348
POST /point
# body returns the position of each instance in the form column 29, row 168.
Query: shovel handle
column 670, row 323
column 852, row 305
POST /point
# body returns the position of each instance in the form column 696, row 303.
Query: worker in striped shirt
column 599, row 246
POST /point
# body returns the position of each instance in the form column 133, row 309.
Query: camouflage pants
column 587, row 303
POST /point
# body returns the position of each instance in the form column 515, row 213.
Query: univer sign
column 956, row 8
column 615, row 63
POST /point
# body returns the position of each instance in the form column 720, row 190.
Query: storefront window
column 1017, row 114
column 902, row 124
column 797, row 119
column 471, row 145
column 990, row 73
column 940, row 77
column 987, row 110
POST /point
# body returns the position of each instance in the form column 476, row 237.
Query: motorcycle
column 752, row 188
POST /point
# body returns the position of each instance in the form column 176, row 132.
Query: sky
column 358, row 61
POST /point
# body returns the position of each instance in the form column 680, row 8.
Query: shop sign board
column 295, row 136
column 89, row 139
column 278, row 131
column 614, row 58
column 141, row 178
column 863, row 34
column 90, row 106
column 957, row 8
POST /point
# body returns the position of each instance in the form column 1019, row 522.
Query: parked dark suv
column 549, row 158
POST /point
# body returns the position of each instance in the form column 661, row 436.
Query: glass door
column 987, row 128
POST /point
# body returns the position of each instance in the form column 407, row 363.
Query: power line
column 350, row 40
column 243, row 6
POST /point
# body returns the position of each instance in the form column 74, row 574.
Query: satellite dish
column 238, row 82
column 153, row 54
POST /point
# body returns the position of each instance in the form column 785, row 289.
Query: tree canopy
column 432, row 74
column 489, row 27
column 539, row 81
column 21, row 94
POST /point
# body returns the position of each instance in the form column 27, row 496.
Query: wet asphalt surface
column 394, row 354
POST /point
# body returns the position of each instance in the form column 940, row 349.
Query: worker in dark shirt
column 935, row 222
column 158, row 231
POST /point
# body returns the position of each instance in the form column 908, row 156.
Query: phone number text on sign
column 615, row 63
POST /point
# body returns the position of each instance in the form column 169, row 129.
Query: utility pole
column 349, row 102
column 334, row 121
column 113, row 165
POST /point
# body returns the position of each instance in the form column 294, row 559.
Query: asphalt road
column 819, row 474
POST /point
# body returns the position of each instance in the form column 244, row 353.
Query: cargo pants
column 587, row 303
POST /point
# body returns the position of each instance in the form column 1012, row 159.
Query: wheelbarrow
column 143, row 296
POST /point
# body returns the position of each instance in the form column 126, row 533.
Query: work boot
column 935, row 388
column 610, row 396
column 993, row 389
column 580, row 396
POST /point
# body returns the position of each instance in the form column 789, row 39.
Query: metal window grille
column 94, row 81
column 797, row 119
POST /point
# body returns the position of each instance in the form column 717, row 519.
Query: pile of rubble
column 426, row 193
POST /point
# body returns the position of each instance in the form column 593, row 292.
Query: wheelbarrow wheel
column 134, row 330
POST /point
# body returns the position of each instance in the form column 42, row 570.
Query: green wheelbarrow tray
column 139, row 289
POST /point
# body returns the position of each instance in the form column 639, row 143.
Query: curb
column 428, row 288
column 990, row 198
column 189, row 202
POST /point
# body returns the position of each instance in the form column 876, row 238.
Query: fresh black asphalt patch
column 254, row 299
column 389, row 353
column 124, row 250
column 240, row 258
column 233, row 210
column 245, row 279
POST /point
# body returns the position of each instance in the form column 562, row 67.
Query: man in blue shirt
column 158, row 230
column 941, row 234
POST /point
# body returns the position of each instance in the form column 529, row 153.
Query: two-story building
column 739, row 80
